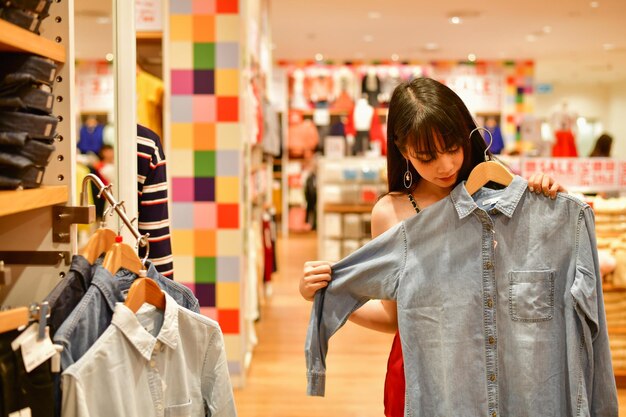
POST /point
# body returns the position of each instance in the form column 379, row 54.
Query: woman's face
column 443, row 170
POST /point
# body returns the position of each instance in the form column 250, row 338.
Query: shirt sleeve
column 371, row 272
column 586, row 290
column 217, row 390
column 74, row 402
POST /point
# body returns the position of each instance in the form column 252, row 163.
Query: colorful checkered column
column 205, row 160
column 519, row 97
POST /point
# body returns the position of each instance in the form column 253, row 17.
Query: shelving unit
column 26, row 216
column 347, row 191
column 16, row 39
column 12, row 202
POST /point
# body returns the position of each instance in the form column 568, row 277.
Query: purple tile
column 204, row 189
column 203, row 82
column 205, row 293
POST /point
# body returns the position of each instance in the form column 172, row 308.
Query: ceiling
column 571, row 41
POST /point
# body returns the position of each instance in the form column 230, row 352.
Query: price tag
column 34, row 351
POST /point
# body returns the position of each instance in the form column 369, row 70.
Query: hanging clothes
column 268, row 248
column 489, row 296
column 565, row 144
column 150, row 101
column 153, row 200
column 92, row 315
column 176, row 358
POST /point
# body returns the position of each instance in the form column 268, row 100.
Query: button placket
column 489, row 312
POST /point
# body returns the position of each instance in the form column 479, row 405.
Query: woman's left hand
column 544, row 184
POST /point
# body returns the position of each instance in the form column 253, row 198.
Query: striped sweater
column 152, row 204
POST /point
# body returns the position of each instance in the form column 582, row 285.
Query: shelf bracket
column 40, row 258
column 65, row 216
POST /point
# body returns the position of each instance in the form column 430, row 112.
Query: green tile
column 204, row 56
column 204, row 163
column 206, row 270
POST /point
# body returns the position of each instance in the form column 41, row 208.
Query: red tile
column 228, row 216
column 227, row 109
column 227, row 6
column 228, row 321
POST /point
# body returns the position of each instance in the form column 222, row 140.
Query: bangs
column 433, row 133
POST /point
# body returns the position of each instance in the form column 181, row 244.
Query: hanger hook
column 143, row 241
column 490, row 138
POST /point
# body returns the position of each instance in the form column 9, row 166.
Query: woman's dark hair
column 602, row 146
column 420, row 111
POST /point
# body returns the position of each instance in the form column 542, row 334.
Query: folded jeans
column 41, row 7
column 22, row 18
column 37, row 126
column 29, row 98
column 16, row 65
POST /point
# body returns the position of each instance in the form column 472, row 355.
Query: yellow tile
column 228, row 295
column 182, row 242
column 228, row 136
column 229, row 243
column 181, row 28
column 232, row 344
column 227, row 82
column 227, row 189
column 182, row 136
column 180, row 163
column 184, row 269
column 181, row 55
column 227, row 28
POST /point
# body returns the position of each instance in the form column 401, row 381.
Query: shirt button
column 494, row 414
column 152, row 364
column 488, row 265
column 159, row 407
column 492, row 340
column 489, row 303
column 492, row 377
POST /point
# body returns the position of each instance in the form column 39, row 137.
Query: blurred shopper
column 603, row 145
column 423, row 167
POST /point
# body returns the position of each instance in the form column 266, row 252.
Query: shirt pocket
column 179, row 410
column 531, row 295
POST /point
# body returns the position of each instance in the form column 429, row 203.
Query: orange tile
column 204, row 28
column 204, row 136
column 204, row 243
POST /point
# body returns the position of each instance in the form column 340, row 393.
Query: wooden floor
column 276, row 381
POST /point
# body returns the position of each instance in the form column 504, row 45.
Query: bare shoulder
column 389, row 211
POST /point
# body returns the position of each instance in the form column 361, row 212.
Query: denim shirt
column 68, row 292
column 93, row 314
column 152, row 364
column 500, row 306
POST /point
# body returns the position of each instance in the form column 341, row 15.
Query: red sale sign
column 579, row 174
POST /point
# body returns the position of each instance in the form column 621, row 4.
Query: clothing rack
column 105, row 190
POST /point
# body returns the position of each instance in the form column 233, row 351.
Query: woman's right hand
column 316, row 276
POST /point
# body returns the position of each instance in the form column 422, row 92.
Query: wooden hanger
column 487, row 171
column 121, row 255
column 100, row 242
column 144, row 290
column 13, row 319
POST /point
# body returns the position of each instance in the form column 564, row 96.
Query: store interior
column 270, row 150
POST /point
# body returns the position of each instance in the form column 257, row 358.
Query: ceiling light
column 594, row 4
column 455, row 20
column 471, row 57
column 395, row 57
column 431, row 46
column 374, row 15
column 109, row 57
column 103, row 20
column 368, row 38
column 547, row 29
column 608, row 46
column 531, row 38
column 319, row 57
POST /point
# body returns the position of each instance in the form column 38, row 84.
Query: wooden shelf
column 155, row 36
column 348, row 208
column 12, row 202
column 612, row 288
column 16, row 39
column 617, row 329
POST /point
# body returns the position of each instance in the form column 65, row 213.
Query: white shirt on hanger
column 130, row 372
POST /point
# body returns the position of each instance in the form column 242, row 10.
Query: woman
column 431, row 149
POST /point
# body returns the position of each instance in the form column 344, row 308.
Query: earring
column 408, row 176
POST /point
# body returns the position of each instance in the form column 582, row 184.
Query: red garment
column 268, row 250
column 565, row 144
column 377, row 134
column 395, row 385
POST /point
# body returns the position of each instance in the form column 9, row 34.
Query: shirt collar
column 82, row 268
column 507, row 202
column 128, row 323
